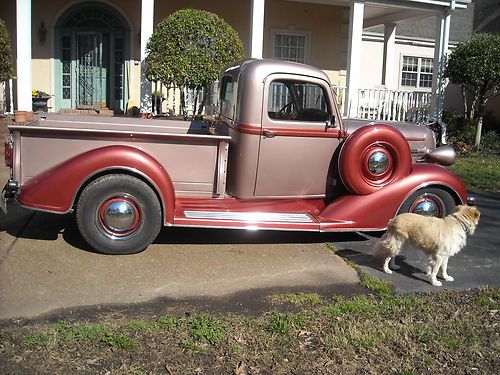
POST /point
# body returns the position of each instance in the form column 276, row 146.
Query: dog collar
column 464, row 227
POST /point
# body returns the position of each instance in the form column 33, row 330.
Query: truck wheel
column 372, row 157
column 118, row 214
column 429, row 202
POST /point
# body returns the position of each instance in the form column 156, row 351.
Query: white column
column 354, row 57
column 389, row 53
column 147, row 20
column 440, row 56
column 257, row 32
column 23, row 46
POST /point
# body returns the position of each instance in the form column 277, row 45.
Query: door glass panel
column 297, row 101
column 66, row 66
column 89, row 61
column 119, row 63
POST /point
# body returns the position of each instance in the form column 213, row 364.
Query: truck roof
column 259, row 69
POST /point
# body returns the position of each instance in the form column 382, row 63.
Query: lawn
column 479, row 172
column 449, row 332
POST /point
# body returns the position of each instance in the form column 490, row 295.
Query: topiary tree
column 475, row 66
column 6, row 69
column 190, row 48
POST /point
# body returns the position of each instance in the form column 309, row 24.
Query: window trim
column 419, row 66
column 291, row 32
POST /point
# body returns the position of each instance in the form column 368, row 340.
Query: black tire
column 118, row 214
column 440, row 198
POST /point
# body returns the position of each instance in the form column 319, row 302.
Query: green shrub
column 6, row 69
column 462, row 133
column 190, row 48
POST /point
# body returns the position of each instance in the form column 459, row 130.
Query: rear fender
column 56, row 189
column 373, row 211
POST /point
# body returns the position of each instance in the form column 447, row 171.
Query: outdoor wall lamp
column 42, row 33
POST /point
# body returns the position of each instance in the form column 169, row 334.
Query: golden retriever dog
column 438, row 238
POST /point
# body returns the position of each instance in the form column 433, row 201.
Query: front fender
column 373, row 211
column 55, row 190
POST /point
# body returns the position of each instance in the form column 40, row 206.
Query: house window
column 416, row 72
column 290, row 45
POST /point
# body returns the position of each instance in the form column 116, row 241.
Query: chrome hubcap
column 378, row 162
column 426, row 208
column 428, row 205
column 119, row 217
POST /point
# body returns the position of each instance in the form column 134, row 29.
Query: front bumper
column 471, row 200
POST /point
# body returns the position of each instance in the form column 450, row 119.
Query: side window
column 297, row 101
column 227, row 97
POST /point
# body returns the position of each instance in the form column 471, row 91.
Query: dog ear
column 476, row 213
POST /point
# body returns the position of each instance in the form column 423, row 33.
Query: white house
column 87, row 54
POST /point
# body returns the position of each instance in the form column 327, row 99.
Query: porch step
column 92, row 112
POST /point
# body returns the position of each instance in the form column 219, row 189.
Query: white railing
column 171, row 100
column 390, row 105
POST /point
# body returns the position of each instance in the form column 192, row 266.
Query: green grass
column 479, row 172
column 409, row 334
column 283, row 323
column 206, row 328
column 298, row 299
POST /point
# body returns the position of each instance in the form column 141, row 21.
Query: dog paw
column 436, row 283
column 448, row 278
column 388, row 271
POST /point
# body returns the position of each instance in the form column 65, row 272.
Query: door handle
column 269, row 133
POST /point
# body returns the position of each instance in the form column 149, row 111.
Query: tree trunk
column 195, row 101
column 203, row 100
column 479, row 131
column 464, row 96
column 183, row 103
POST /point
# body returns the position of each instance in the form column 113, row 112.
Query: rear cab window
column 227, row 97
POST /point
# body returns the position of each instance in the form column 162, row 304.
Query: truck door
column 296, row 145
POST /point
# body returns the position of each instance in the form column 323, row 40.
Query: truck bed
column 194, row 158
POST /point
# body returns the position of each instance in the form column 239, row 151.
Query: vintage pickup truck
column 279, row 157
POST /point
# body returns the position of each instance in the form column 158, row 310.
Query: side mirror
column 330, row 123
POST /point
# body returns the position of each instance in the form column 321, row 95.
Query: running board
column 254, row 214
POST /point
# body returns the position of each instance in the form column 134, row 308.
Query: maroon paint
column 360, row 145
column 292, row 131
column 375, row 210
column 55, row 189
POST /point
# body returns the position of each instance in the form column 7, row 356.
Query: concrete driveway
column 46, row 266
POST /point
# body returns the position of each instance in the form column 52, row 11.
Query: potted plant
column 39, row 99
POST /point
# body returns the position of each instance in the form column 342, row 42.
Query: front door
column 91, row 74
column 296, row 146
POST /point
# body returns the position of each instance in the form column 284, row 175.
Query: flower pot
column 20, row 116
column 40, row 103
